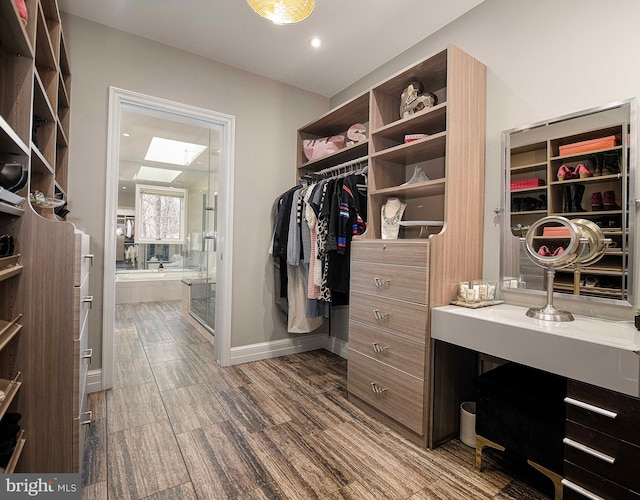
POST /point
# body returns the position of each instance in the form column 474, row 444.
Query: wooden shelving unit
column 395, row 383
column 43, row 334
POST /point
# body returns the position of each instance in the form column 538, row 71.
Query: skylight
column 156, row 174
column 174, row 152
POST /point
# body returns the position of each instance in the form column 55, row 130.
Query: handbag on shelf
column 317, row 148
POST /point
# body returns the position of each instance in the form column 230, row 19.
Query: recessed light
column 124, row 187
column 126, row 135
column 315, row 42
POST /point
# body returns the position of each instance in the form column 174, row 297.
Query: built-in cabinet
column 395, row 370
column 44, row 285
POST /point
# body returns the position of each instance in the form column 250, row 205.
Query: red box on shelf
column 586, row 146
column 526, row 183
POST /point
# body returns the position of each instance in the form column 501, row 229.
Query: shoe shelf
column 9, row 267
column 15, row 456
column 417, row 190
column 10, row 389
column 8, row 330
column 425, row 149
column 429, row 121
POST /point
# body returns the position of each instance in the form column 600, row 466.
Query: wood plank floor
column 178, row 426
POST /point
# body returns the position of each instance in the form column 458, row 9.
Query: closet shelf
column 416, row 123
column 10, row 209
column 417, row 190
column 10, row 389
column 429, row 148
column 10, row 141
column 9, row 267
column 15, row 456
column 422, row 223
column 600, row 178
column 8, row 330
column 341, row 156
column 12, row 33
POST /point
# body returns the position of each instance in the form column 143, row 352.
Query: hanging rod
column 362, row 159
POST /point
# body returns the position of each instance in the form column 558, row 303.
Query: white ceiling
column 359, row 35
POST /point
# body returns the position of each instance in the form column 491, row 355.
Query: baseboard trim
column 276, row 348
column 338, row 346
column 94, row 380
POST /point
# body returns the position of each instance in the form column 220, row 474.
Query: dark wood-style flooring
column 178, row 426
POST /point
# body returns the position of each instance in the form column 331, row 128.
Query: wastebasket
column 468, row 423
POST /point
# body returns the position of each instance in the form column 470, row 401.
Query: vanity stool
column 521, row 410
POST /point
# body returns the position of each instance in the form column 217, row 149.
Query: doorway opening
column 168, row 215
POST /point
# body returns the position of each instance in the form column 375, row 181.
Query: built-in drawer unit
column 398, row 282
column 602, row 443
column 395, row 350
column 393, row 392
column 407, row 318
column 401, row 253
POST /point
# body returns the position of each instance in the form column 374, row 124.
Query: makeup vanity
column 598, row 353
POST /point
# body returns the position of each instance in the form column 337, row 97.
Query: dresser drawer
column 404, row 253
column 603, row 455
column 578, row 483
column 397, row 282
column 82, row 303
column 407, row 318
column 395, row 393
column 395, row 350
column 604, row 410
column 83, row 259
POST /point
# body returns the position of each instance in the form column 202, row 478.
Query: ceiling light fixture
column 283, row 11
column 315, row 42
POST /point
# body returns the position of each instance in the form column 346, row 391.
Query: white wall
column 267, row 116
column 545, row 58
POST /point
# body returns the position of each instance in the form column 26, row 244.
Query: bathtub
column 151, row 285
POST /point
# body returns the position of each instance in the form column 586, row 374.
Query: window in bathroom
column 160, row 214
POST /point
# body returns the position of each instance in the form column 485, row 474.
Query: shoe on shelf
column 418, row 176
column 582, row 171
column 596, row 162
column 596, row 201
column 577, row 192
column 609, row 201
column 591, row 281
column 564, row 173
column 516, row 204
column 610, row 163
column 557, row 251
column 544, row 251
column 541, row 202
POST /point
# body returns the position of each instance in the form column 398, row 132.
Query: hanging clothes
column 313, row 229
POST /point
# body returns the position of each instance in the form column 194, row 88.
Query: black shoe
column 516, row 204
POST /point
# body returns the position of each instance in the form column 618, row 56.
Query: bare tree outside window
column 160, row 214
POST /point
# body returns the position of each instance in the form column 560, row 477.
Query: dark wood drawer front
column 399, row 352
column 397, row 282
column 407, row 318
column 395, row 393
column 581, row 479
column 602, row 454
column 621, row 415
column 403, row 253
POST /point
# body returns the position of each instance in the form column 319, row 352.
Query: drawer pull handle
column 88, row 420
column 87, row 354
column 89, row 299
column 581, row 490
column 90, row 257
column 589, row 451
column 378, row 348
column 380, row 282
column 376, row 388
column 378, row 315
column 587, row 406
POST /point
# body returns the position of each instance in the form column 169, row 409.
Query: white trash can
column 468, row 423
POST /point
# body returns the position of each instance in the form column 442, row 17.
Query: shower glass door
column 202, row 234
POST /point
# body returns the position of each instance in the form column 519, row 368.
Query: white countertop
column 600, row 352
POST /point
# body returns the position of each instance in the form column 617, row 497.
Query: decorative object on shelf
column 414, row 137
column 283, row 11
column 39, row 200
column 526, row 183
column 590, row 145
column 414, row 99
column 317, row 148
column 356, row 133
column 418, row 176
column 392, row 212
